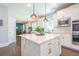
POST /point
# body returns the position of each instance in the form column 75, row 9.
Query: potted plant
column 39, row 30
column 30, row 29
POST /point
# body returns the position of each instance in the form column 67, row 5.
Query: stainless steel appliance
column 75, row 32
column 75, row 39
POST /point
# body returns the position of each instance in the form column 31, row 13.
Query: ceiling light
column 33, row 14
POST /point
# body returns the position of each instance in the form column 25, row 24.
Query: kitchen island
column 43, row 45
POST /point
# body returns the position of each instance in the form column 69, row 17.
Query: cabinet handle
column 50, row 51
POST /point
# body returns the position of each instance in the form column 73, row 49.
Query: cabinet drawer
column 50, row 48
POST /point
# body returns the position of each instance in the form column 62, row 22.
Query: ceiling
column 64, row 5
column 24, row 10
column 39, row 7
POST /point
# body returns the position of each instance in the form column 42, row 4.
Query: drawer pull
column 50, row 51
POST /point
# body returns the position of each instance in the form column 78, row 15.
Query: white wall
column 8, row 30
column 3, row 29
column 11, row 29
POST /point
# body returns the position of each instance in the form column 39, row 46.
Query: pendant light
column 45, row 19
column 34, row 15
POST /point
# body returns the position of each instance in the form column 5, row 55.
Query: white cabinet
column 29, row 48
column 66, row 40
column 48, row 48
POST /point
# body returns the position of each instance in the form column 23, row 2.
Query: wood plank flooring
column 9, row 50
column 14, row 49
column 69, row 52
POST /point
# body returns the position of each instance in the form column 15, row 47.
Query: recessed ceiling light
column 28, row 5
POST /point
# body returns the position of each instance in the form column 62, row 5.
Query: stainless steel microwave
column 75, row 25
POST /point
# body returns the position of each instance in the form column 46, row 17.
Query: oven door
column 75, row 39
column 75, row 27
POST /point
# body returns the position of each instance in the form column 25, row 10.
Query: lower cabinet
column 51, row 48
column 48, row 48
column 66, row 40
column 29, row 48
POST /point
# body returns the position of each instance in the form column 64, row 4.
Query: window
column 48, row 26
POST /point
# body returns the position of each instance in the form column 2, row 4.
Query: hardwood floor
column 69, row 52
column 18, row 46
column 14, row 49
column 8, row 51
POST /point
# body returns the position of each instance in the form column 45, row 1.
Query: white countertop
column 39, row 39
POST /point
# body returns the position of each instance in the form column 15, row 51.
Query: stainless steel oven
column 75, row 32
column 75, row 39
column 75, row 26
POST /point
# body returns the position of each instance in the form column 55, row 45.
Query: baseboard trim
column 6, row 44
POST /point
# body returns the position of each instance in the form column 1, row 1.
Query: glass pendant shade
column 45, row 19
column 34, row 15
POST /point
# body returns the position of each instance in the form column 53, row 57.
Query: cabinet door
column 50, row 48
column 29, row 48
column 66, row 40
column 56, row 47
column 46, row 49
